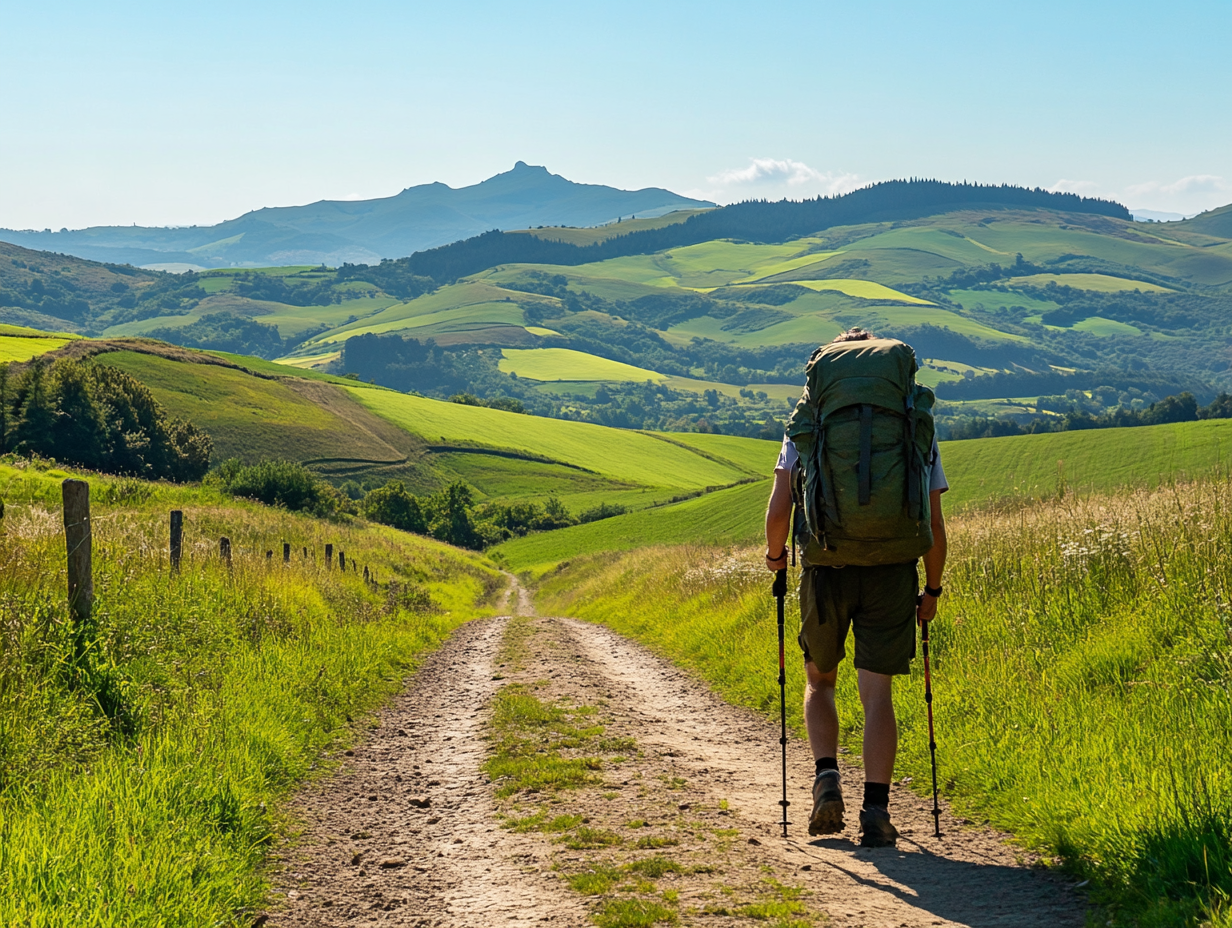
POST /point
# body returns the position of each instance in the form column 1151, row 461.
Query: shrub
column 285, row 484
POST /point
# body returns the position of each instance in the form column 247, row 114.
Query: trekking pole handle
column 780, row 583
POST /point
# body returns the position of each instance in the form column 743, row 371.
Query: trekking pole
column 780, row 593
column 932, row 740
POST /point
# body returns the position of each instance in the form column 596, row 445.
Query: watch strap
column 934, row 592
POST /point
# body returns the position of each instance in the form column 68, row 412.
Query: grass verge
column 143, row 755
column 1082, row 670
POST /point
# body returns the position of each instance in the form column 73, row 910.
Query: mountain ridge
column 333, row 232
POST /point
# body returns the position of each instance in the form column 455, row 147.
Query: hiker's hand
column 925, row 608
column 774, row 564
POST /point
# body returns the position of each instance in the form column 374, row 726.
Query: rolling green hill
column 984, row 472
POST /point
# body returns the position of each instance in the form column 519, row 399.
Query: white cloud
column 1086, row 188
column 1194, row 184
column 771, row 177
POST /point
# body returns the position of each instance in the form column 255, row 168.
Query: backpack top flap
column 875, row 371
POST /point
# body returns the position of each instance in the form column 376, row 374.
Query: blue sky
column 181, row 113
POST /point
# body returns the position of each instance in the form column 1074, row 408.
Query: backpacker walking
column 862, row 464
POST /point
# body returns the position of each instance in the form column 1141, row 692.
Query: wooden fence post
column 224, row 549
column 286, row 552
column 329, row 557
column 76, row 494
column 342, row 560
column 367, row 579
column 269, row 555
column 177, row 538
column 305, row 552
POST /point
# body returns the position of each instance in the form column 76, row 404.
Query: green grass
column 1097, row 325
column 24, row 347
column 864, row 289
column 567, row 364
column 253, row 417
column 144, row 756
column 1023, row 467
column 731, row 516
column 1082, row 666
column 623, row 455
column 993, row 300
column 1101, row 283
column 591, row 236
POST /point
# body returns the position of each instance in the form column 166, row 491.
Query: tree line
column 1180, row 408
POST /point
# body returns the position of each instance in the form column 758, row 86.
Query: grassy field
column 989, row 470
column 622, row 455
column 253, row 417
column 25, row 347
column 1082, row 666
column 1098, row 282
column 144, row 755
column 566, row 364
column 731, row 516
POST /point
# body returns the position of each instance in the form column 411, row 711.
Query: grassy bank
column 1082, row 668
column 143, row 755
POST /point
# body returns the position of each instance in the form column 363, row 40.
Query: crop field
column 147, row 752
column 1081, row 666
column 25, row 347
column 627, row 456
column 1102, row 283
column 864, row 289
column 566, row 364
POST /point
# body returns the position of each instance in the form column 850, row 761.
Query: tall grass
column 1082, row 666
column 143, row 756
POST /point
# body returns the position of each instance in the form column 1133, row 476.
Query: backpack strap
column 866, row 455
column 915, row 472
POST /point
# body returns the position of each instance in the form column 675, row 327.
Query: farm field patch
column 24, row 347
column 549, row 364
column 1102, row 283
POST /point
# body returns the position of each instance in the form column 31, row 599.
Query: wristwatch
column 775, row 557
column 933, row 592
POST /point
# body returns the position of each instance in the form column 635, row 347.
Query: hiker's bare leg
column 820, row 714
column 880, row 729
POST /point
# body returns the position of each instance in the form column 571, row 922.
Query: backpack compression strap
column 866, row 454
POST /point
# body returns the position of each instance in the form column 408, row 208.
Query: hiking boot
column 827, row 817
column 876, row 829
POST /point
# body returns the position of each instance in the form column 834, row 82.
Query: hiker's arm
column 934, row 560
column 778, row 520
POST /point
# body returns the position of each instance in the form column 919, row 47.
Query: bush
column 285, row 484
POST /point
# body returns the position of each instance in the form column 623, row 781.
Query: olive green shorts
column 879, row 602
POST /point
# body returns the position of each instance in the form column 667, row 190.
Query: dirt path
column 680, row 821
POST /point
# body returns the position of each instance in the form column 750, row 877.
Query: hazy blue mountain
column 334, row 231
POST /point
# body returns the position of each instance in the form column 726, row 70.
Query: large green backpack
column 864, row 431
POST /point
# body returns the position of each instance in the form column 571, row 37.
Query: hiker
column 861, row 461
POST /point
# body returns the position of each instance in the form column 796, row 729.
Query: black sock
column 826, row 763
column 876, row 794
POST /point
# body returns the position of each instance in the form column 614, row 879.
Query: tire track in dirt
column 406, row 832
column 970, row 876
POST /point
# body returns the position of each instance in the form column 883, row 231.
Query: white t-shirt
column 788, row 456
